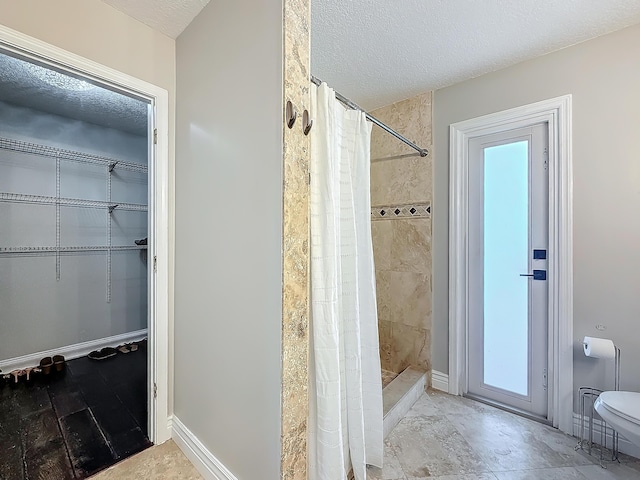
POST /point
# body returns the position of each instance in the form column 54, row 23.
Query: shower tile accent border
column 295, row 254
column 391, row 212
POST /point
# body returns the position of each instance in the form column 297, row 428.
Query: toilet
column 621, row 410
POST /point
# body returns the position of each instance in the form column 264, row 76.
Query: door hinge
column 155, row 263
column 155, row 390
column 155, row 136
column 544, row 378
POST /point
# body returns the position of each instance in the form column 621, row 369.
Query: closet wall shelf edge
column 58, row 153
column 69, row 202
column 99, row 248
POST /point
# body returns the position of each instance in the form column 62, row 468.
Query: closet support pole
column 58, row 217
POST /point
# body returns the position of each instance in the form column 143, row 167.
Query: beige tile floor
column 453, row 438
column 166, row 462
column 441, row 438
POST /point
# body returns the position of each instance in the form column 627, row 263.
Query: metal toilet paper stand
column 588, row 396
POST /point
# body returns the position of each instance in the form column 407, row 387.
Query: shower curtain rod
column 422, row 151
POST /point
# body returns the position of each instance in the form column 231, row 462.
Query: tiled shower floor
column 72, row 424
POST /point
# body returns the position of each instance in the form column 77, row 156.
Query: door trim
column 158, row 314
column 556, row 112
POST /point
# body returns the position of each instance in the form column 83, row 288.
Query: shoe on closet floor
column 58, row 362
column 103, row 353
column 28, row 372
column 45, row 365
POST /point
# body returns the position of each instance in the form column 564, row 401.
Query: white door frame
column 158, row 328
column 557, row 113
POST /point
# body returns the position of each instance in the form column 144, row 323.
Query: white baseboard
column 624, row 445
column 71, row 351
column 205, row 462
column 439, row 381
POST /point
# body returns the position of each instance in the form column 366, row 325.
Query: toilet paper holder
column 588, row 395
column 616, row 363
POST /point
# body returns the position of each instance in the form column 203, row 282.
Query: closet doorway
column 83, row 263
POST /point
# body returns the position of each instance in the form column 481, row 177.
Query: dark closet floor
column 74, row 423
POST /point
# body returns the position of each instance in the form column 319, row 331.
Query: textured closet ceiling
column 170, row 17
column 377, row 52
column 29, row 85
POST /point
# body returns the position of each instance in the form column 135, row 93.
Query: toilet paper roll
column 599, row 348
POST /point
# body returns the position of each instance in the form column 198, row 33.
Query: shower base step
column 399, row 396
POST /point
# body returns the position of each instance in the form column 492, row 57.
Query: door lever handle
column 537, row 274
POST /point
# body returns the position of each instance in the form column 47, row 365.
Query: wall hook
column 306, row 122
column 291, row 114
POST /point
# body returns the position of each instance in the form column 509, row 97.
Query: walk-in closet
column 74, row 269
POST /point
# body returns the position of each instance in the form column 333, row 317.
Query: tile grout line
column 23, row 451
column 108, row 443
column 64, row 440
column 95, row 420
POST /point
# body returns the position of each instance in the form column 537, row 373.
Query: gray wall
column 228, row 284
column 39, row 312
column 603, row 75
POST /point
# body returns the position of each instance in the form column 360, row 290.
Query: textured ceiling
column 377, row 52
column 170, row 17
column 29, row 85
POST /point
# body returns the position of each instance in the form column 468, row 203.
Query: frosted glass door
column 508, row 236
column 506, row 244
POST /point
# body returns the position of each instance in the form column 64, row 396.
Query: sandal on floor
column 31, row 370
column 59, row 362
column 132, row 347
column 16, row 374
column 45, row 365
column 103, row 353
column 123, row 349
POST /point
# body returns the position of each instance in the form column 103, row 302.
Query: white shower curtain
column 345, row 423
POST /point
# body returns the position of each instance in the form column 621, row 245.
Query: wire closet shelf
column 52, row 152
column 57, row 155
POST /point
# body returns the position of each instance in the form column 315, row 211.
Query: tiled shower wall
column 295, row 268
column 401, row 193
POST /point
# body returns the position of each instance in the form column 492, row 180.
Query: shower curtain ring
column 291, row 114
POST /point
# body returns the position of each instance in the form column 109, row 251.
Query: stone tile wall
column 400, row 182
column 295, row 274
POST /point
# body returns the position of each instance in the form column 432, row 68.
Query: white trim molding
column 71, row 351
column 556, row 113
column 439, row 381
column 205, row 462
column 158, row 248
